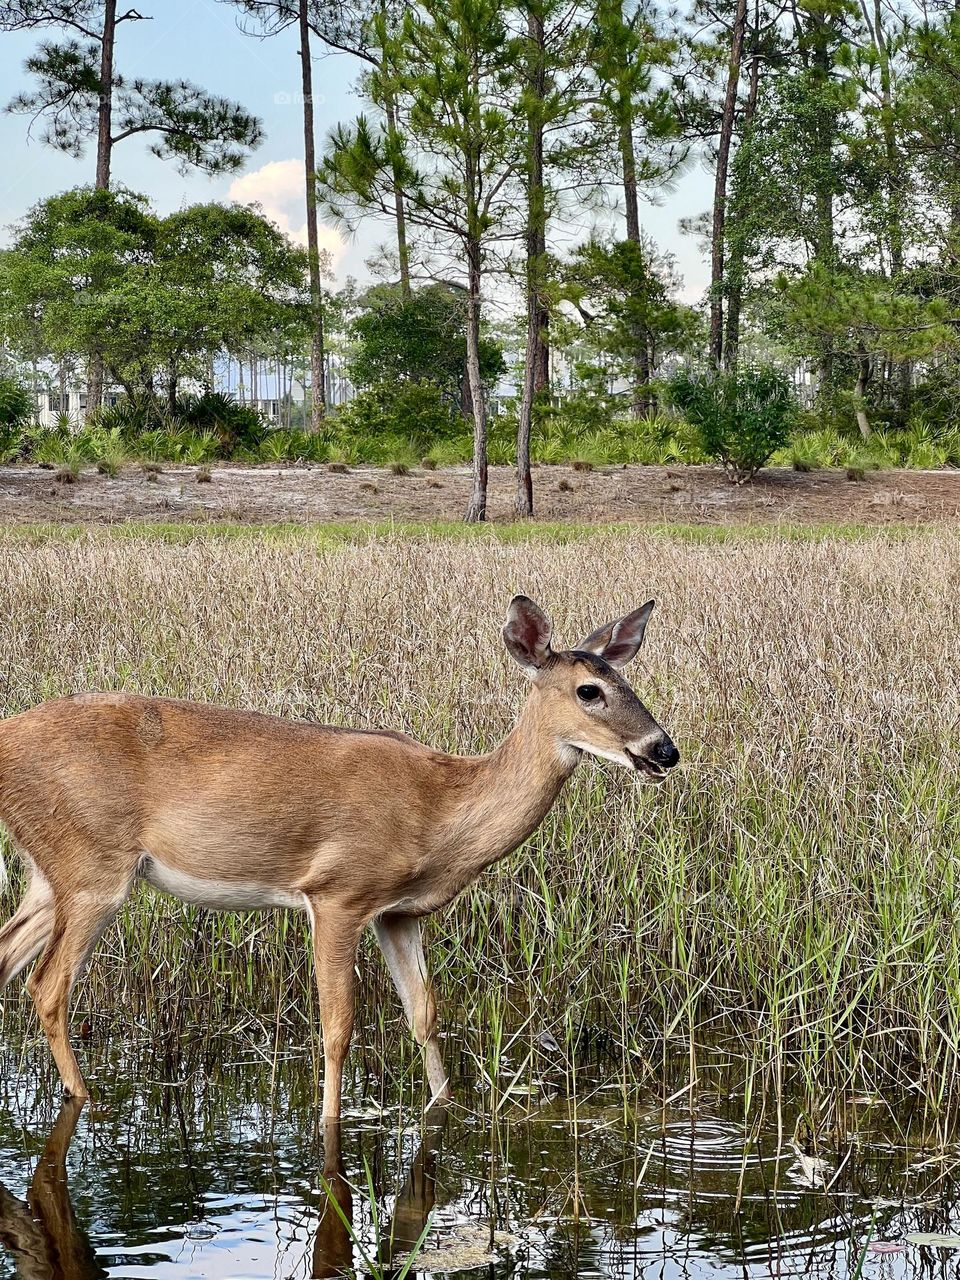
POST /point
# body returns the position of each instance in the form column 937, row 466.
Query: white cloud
column 278, row 189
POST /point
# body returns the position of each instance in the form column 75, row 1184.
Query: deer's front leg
column 400, row 941
column 334, row 953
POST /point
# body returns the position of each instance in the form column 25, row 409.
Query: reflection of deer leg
column 332, row 1247
column 25, row 1238
column 43, row 1234
column 402, row 947
column 418, row 1195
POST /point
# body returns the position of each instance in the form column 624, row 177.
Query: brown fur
column 361, row 827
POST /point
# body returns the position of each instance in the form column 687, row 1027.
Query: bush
column 583, row 410
column 17, row 409
column 413, row 411
column 212, row 425
column 131, row 416
column 741, row 417
column 234, row 425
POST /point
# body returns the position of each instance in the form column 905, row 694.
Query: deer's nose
column 664, row 752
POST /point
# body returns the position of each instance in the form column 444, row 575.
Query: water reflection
column 333, row 1246
column 42, row 1232
column 230, row 1175
column 46, row 1241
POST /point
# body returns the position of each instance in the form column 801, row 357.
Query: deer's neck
column 506, row 795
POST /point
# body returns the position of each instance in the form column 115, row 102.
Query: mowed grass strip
column 793, row 890
column 336, row 533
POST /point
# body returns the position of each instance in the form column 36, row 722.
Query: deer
column 235, row 810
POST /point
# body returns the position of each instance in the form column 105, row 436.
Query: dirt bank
column 697, row 495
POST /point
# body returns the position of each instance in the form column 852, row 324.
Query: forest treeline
column 508, row 151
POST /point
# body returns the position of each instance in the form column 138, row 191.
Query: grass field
column 792, row 894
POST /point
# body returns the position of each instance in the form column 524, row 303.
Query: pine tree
column 458, row 121
column 636, row 107
column 81, row 96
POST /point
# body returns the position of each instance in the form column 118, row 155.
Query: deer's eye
column 589, row 692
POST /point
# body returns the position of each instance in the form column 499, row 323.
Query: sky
column 200, row 41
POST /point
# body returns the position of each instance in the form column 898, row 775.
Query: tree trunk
column 737, row 266
column 822, row 234
column 102, row 183
column 477, row 506
column 318, row 404
column 864, row 370
column 639, row 401
column 720, row 184
column 172, row 380
column 385, row 42
column 130, row 391
column 628, row 160
column 537, row 316
column 466, row 396
column 399, row 207
column 105, row 108
column 894, row 170
column 640, row 405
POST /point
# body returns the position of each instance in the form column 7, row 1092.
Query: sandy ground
column 256, row 495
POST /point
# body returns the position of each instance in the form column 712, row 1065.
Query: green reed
column 792, row 894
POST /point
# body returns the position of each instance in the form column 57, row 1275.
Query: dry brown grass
column 795, row 886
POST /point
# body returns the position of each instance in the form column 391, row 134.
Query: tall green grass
column 792, row 895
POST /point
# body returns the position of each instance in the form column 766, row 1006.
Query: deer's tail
column 28, row 930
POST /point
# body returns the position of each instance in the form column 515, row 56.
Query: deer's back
column 240, row 795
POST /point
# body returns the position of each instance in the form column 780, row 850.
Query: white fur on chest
column 219, row 895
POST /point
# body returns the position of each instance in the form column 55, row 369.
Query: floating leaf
column 811, row 1171
column 934, row 1240
column 462, row 1249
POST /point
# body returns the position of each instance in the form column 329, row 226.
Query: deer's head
column 585, row 700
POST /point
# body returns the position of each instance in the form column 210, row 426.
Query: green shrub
column 129, row 417
column 234, row 425
column 583, row 411
column 46, row 444
column 742, row 417
column 212, row 425
column 282, row 446
column 452, row 452
column 803, row 454
column 414, row 411
column 17, row 409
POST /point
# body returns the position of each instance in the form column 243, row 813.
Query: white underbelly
column 220, row 895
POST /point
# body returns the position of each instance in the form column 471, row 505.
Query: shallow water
column 221, row 1173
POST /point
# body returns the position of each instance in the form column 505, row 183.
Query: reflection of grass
column 235, row 1146
column 795, row 889
column 380, row 1245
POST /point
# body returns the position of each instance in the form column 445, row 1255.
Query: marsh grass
column 793, row 894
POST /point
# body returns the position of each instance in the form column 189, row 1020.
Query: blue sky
column 199, row 40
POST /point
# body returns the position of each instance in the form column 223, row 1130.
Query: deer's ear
column 526, row 633
column 619, row 641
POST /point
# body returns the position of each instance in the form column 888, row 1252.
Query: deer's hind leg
column 27, row 931
column 79, row 918
column 335, row 938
